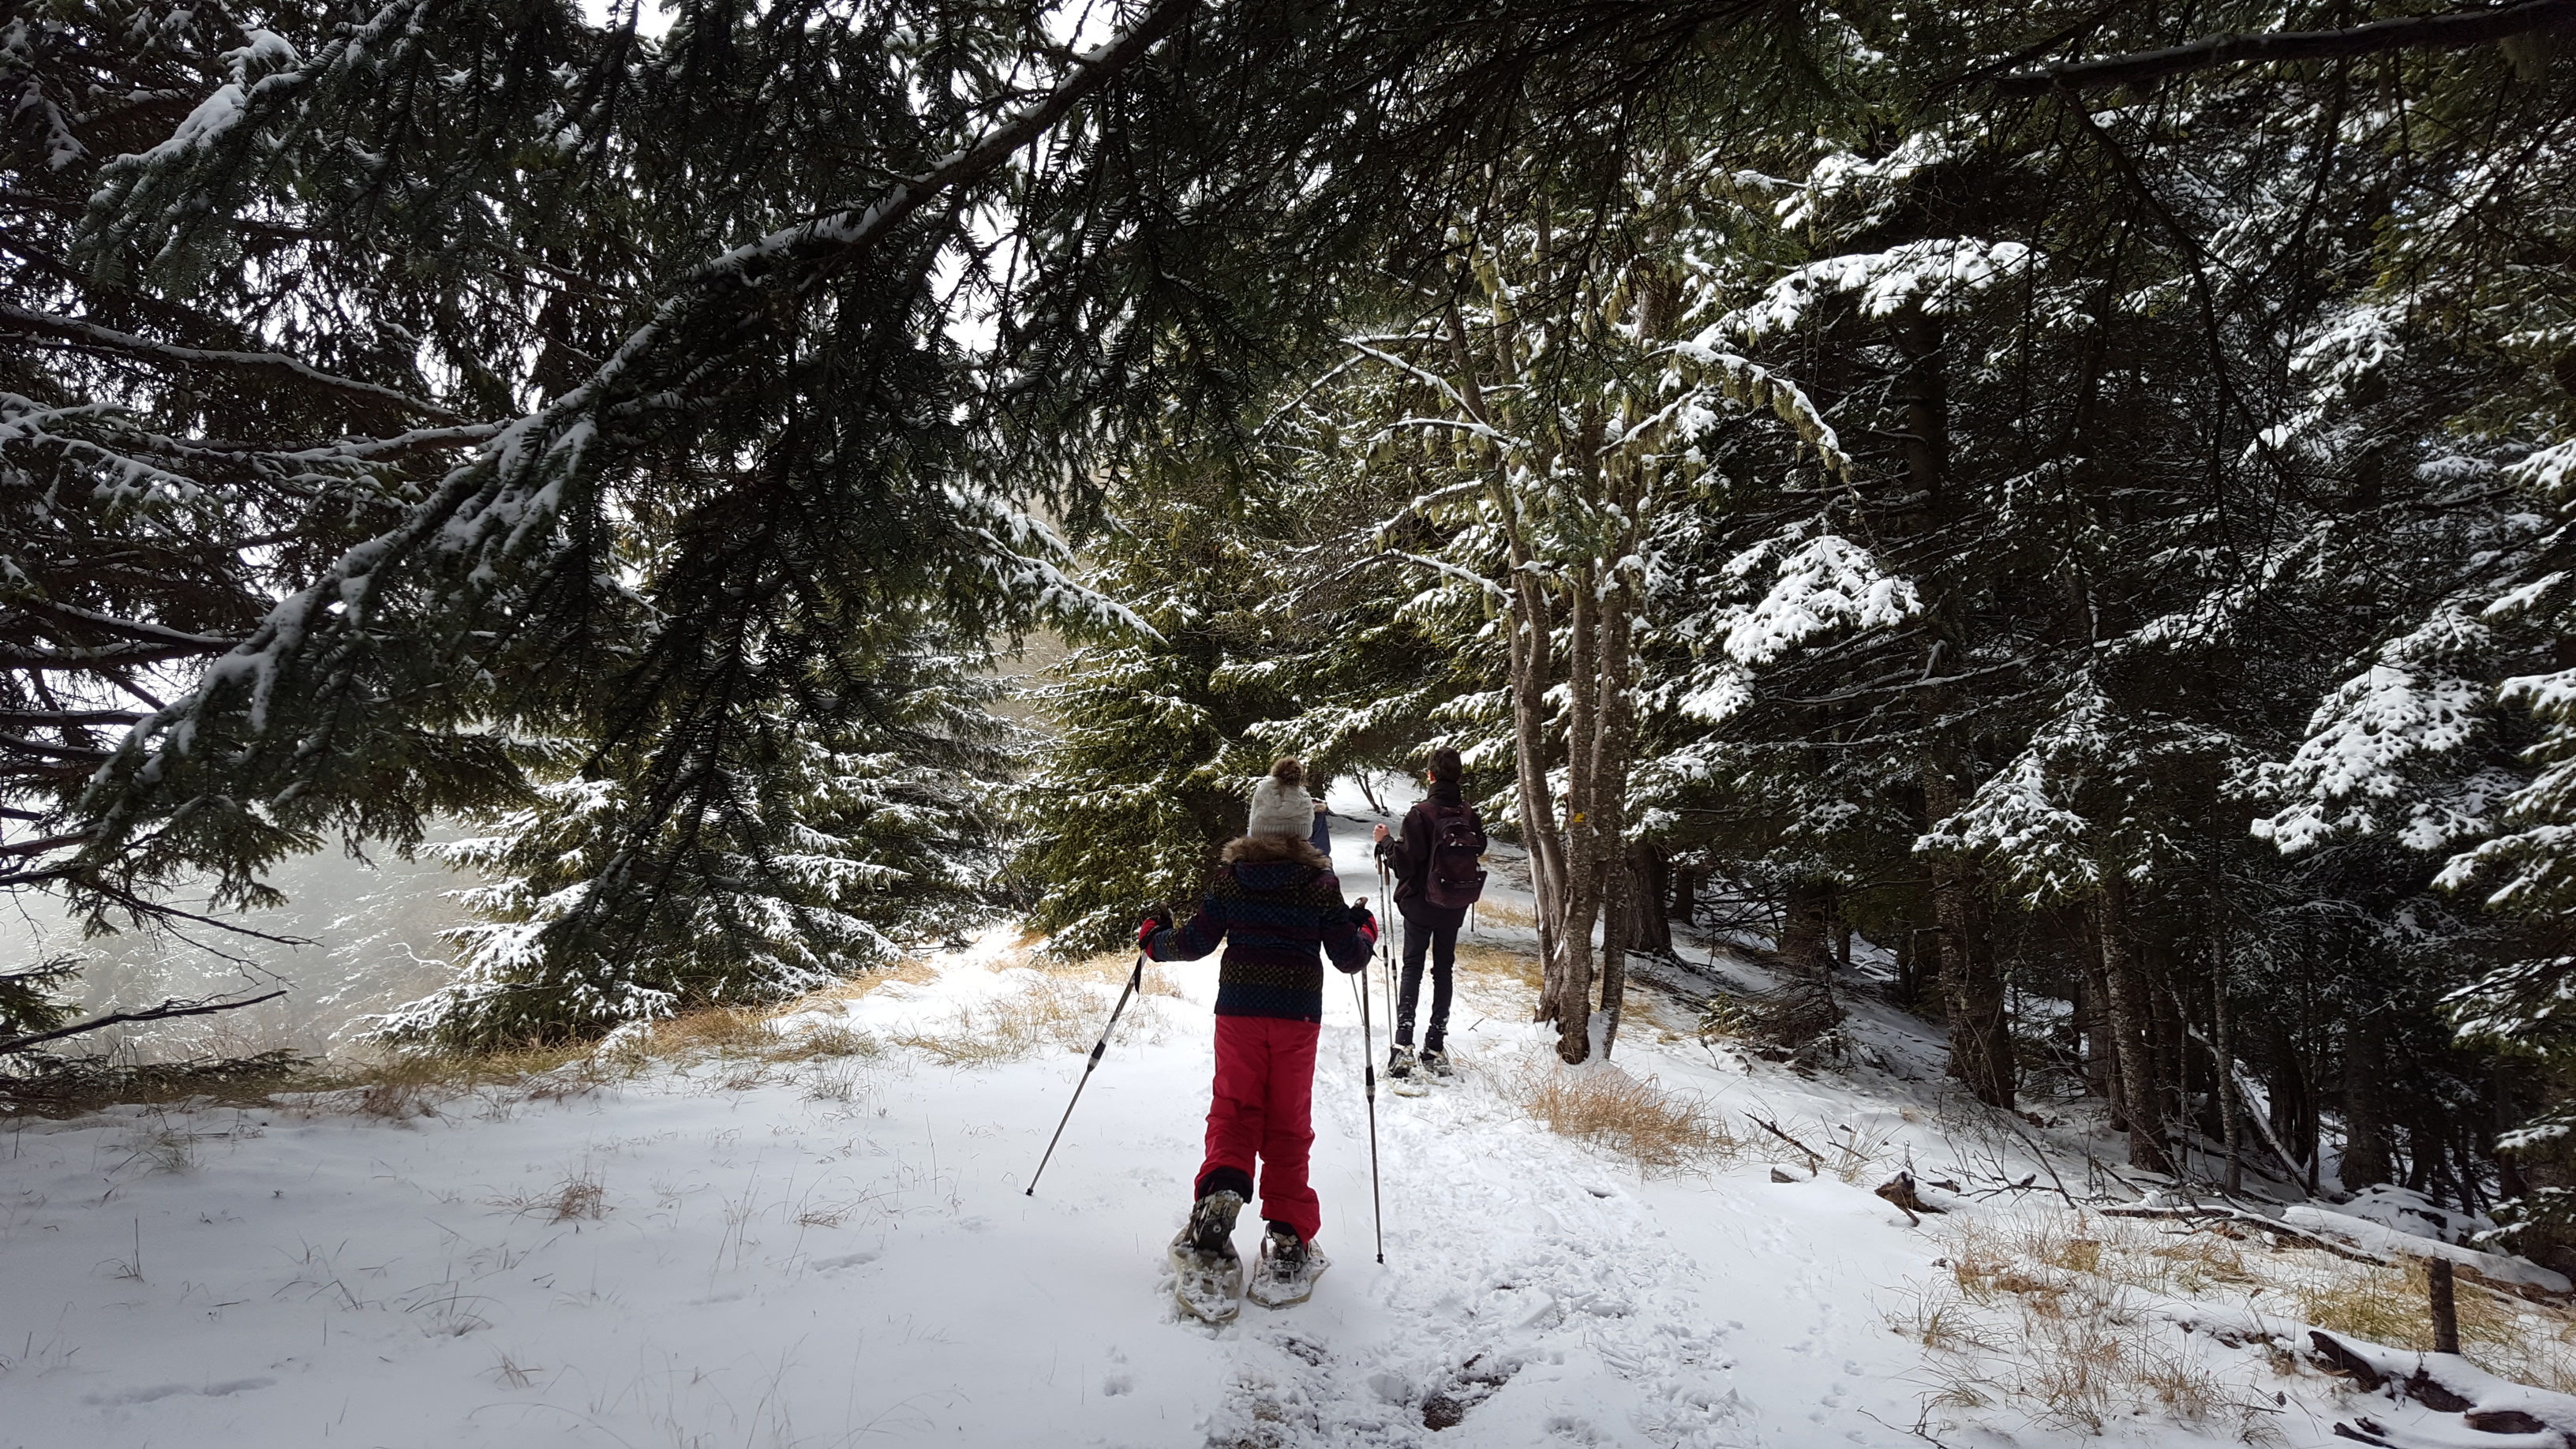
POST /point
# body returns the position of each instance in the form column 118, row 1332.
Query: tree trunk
column 2131, row 1021
column 1801, row 942
column 1531, row 668
column 2366, row 1158
column 1617, row 904
column 2093, row 1019
column 1972, row 990
column 1649, row 929
column 2164, row 1016
column 1616, row 724
column 2228, row 1105
column 1570, row 1003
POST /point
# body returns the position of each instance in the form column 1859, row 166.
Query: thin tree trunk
column 1617, row 901
column 2093, row 1017
column 1649, row 929
column 2366, row 1156
column 2131, row 1020
column 1617, row 724
column 1972, row 990
column 2228, row 1104
column 1572, row 1007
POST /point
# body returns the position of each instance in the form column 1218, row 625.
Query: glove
column 1156, row 919
column 1363, row 922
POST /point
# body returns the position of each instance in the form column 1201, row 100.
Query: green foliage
column 29, row 1003
column 847, row 845
column 1149, row 772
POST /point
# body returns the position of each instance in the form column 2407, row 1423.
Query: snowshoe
column 1207, row 1275
column 1435, row 1064
column 1403, row 1076
column 1286, row 1271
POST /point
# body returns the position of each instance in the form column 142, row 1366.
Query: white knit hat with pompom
column 1280, row 805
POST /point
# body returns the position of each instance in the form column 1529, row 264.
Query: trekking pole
column 1135, row 982
column 1385, row 947
column 1368, row 1076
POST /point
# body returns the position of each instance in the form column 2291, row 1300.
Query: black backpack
column 1454, row 879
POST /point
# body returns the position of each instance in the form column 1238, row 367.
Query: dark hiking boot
column 1436, row 1062
column 1207, row 1277
column 1287, row 1269
column 1399, row 1063
column 1211, row 1228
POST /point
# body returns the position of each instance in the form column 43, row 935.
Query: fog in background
column 373, row 928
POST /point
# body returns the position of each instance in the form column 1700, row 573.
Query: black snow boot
column 1436, row 1062
column 1399, row 1063
column 1212, row 1222
column 1288, row 1269
column 1283, row 1253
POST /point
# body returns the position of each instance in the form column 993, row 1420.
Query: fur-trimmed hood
column 1274, row 850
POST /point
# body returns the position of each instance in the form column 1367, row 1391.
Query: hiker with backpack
column 1434, row 858
column 1276, row 906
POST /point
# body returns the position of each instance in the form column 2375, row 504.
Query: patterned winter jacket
column 1274, row 903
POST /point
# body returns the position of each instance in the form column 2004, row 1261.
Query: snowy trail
column 839, row 1251
column 772, row 1269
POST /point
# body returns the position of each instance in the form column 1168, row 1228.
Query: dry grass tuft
column 2047, row 1311
column 1506, row 913
column 1489, row 965
column 581, row 1196
column 397, row 1085
column 1046, row 1012
column 1662, row 1132
column 2506, row 1336
column 721, row 1030
column 2026, row 1317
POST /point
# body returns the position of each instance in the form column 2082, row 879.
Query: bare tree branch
column 164, row 1012
column 107, row 341
column 2379, row 37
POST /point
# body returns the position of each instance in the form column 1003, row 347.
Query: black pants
column 1437, row 933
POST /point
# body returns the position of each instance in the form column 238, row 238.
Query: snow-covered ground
column 838, row 1249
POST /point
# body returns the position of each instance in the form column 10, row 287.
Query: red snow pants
column 1262, row 1107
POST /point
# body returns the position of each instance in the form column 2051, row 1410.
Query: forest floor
column 811, row 1229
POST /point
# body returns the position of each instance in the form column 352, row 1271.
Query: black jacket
column 1407, row 854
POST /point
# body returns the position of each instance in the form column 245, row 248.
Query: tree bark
column 1972, row 990
column 2093, row 1019
column 2132, row 1018
column 2228, row 1105
column 1616, row 904
column 1801, row 942
column 2366, row 1157
column 1650, row 929
column 1570, row 1003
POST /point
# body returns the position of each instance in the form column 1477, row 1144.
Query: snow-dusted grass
column 2077, row 1320
column 2528, row 1341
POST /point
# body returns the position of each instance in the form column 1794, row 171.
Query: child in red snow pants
column 1261, row 1108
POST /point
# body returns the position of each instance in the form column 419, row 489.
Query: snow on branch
column 1826, row 584
column 1937, row 274
column 2357, row 772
